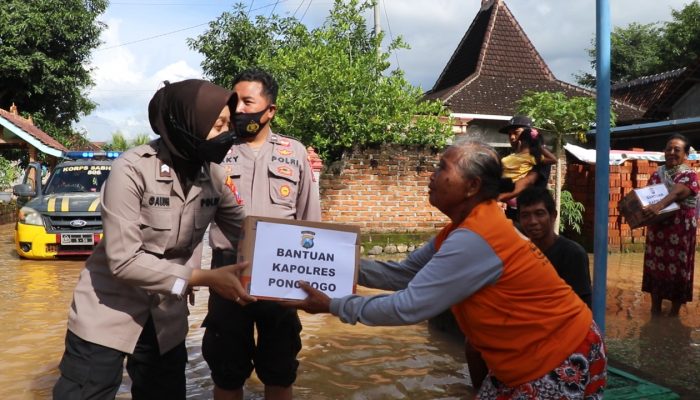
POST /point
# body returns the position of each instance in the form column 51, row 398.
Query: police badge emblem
column 252, row 127
column 285, row 191
column 307, row 239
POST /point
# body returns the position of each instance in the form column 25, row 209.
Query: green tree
column 234, row 43
column 647, row 49
column 571, row 213
column 119, row 142
column 681, row 37
column 634, row 51
column 45, row 47
column 563, row 118
column 9, row 172
column 335, row 90
column 141, row 138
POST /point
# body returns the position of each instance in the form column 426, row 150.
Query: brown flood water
column 338, row 361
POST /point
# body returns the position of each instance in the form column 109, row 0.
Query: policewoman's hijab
column 182, row 114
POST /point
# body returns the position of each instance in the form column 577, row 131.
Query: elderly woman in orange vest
column 537, row 337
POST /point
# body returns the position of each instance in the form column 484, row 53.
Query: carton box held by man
column 283, row 252
column 631, row 206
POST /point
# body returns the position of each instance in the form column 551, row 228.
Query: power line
column 150, row 37
column 273, row 8
column 250, row 7
column 121, row 90
column 391, row 35
column 183, row 29
column 140, row 3
column 307, row 9
column 298, row 7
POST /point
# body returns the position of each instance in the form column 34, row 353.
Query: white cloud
column 124, row 85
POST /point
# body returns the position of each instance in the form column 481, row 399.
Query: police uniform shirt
column 276, row 182
column 150, row 231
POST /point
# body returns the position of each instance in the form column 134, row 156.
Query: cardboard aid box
column 283, row 252
column 631, row 205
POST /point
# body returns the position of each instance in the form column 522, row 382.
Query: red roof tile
column 31, row 129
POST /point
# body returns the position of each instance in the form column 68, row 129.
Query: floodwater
column 338, row 361
column 664, row 350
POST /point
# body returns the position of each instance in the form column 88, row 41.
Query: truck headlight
column 30, row 216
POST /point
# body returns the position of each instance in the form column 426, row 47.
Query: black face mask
column 215, row 150
column 196, row 149
column 248, row 124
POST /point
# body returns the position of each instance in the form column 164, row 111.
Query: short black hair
column 537, row 194
column 269, row 83
column 682, row 138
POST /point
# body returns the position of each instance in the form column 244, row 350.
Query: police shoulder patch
column 232, row 187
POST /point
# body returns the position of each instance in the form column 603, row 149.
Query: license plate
column 77, row 239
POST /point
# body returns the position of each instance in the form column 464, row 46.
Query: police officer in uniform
column 130, row 299
column 274, row 179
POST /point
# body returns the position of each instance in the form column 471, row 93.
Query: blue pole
column 602, row 162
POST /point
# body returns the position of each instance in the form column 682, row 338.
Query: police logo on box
column 307, row 239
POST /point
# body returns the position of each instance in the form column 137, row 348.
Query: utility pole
column 602, row 162
column 377, row 27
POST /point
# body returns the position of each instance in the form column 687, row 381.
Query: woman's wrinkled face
column 447, row 186
column 675, row 153
column 222, row 124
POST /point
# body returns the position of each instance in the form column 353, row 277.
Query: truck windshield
column 77, row 178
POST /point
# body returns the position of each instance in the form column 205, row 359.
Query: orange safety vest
column 529, row 321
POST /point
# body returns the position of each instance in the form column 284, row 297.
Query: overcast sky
column 145, row 42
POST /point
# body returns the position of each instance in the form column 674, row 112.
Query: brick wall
column 383, row 189
column 623, row 179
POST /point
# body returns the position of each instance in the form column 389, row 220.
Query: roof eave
column 43, row 147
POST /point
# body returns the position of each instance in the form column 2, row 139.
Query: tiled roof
column 646, row 90
column 31, row 129
column 657, row 94
column 495, row 64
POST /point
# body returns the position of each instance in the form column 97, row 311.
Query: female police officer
column 156, row 204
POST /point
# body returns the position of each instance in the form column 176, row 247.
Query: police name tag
column 284, row 252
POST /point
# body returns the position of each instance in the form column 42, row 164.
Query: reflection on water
column 338, row 361
column 356, row 362
column 662, row 349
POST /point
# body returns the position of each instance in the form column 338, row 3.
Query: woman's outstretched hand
column 316, row 302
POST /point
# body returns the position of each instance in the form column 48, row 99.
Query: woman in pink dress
column 669, row 258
